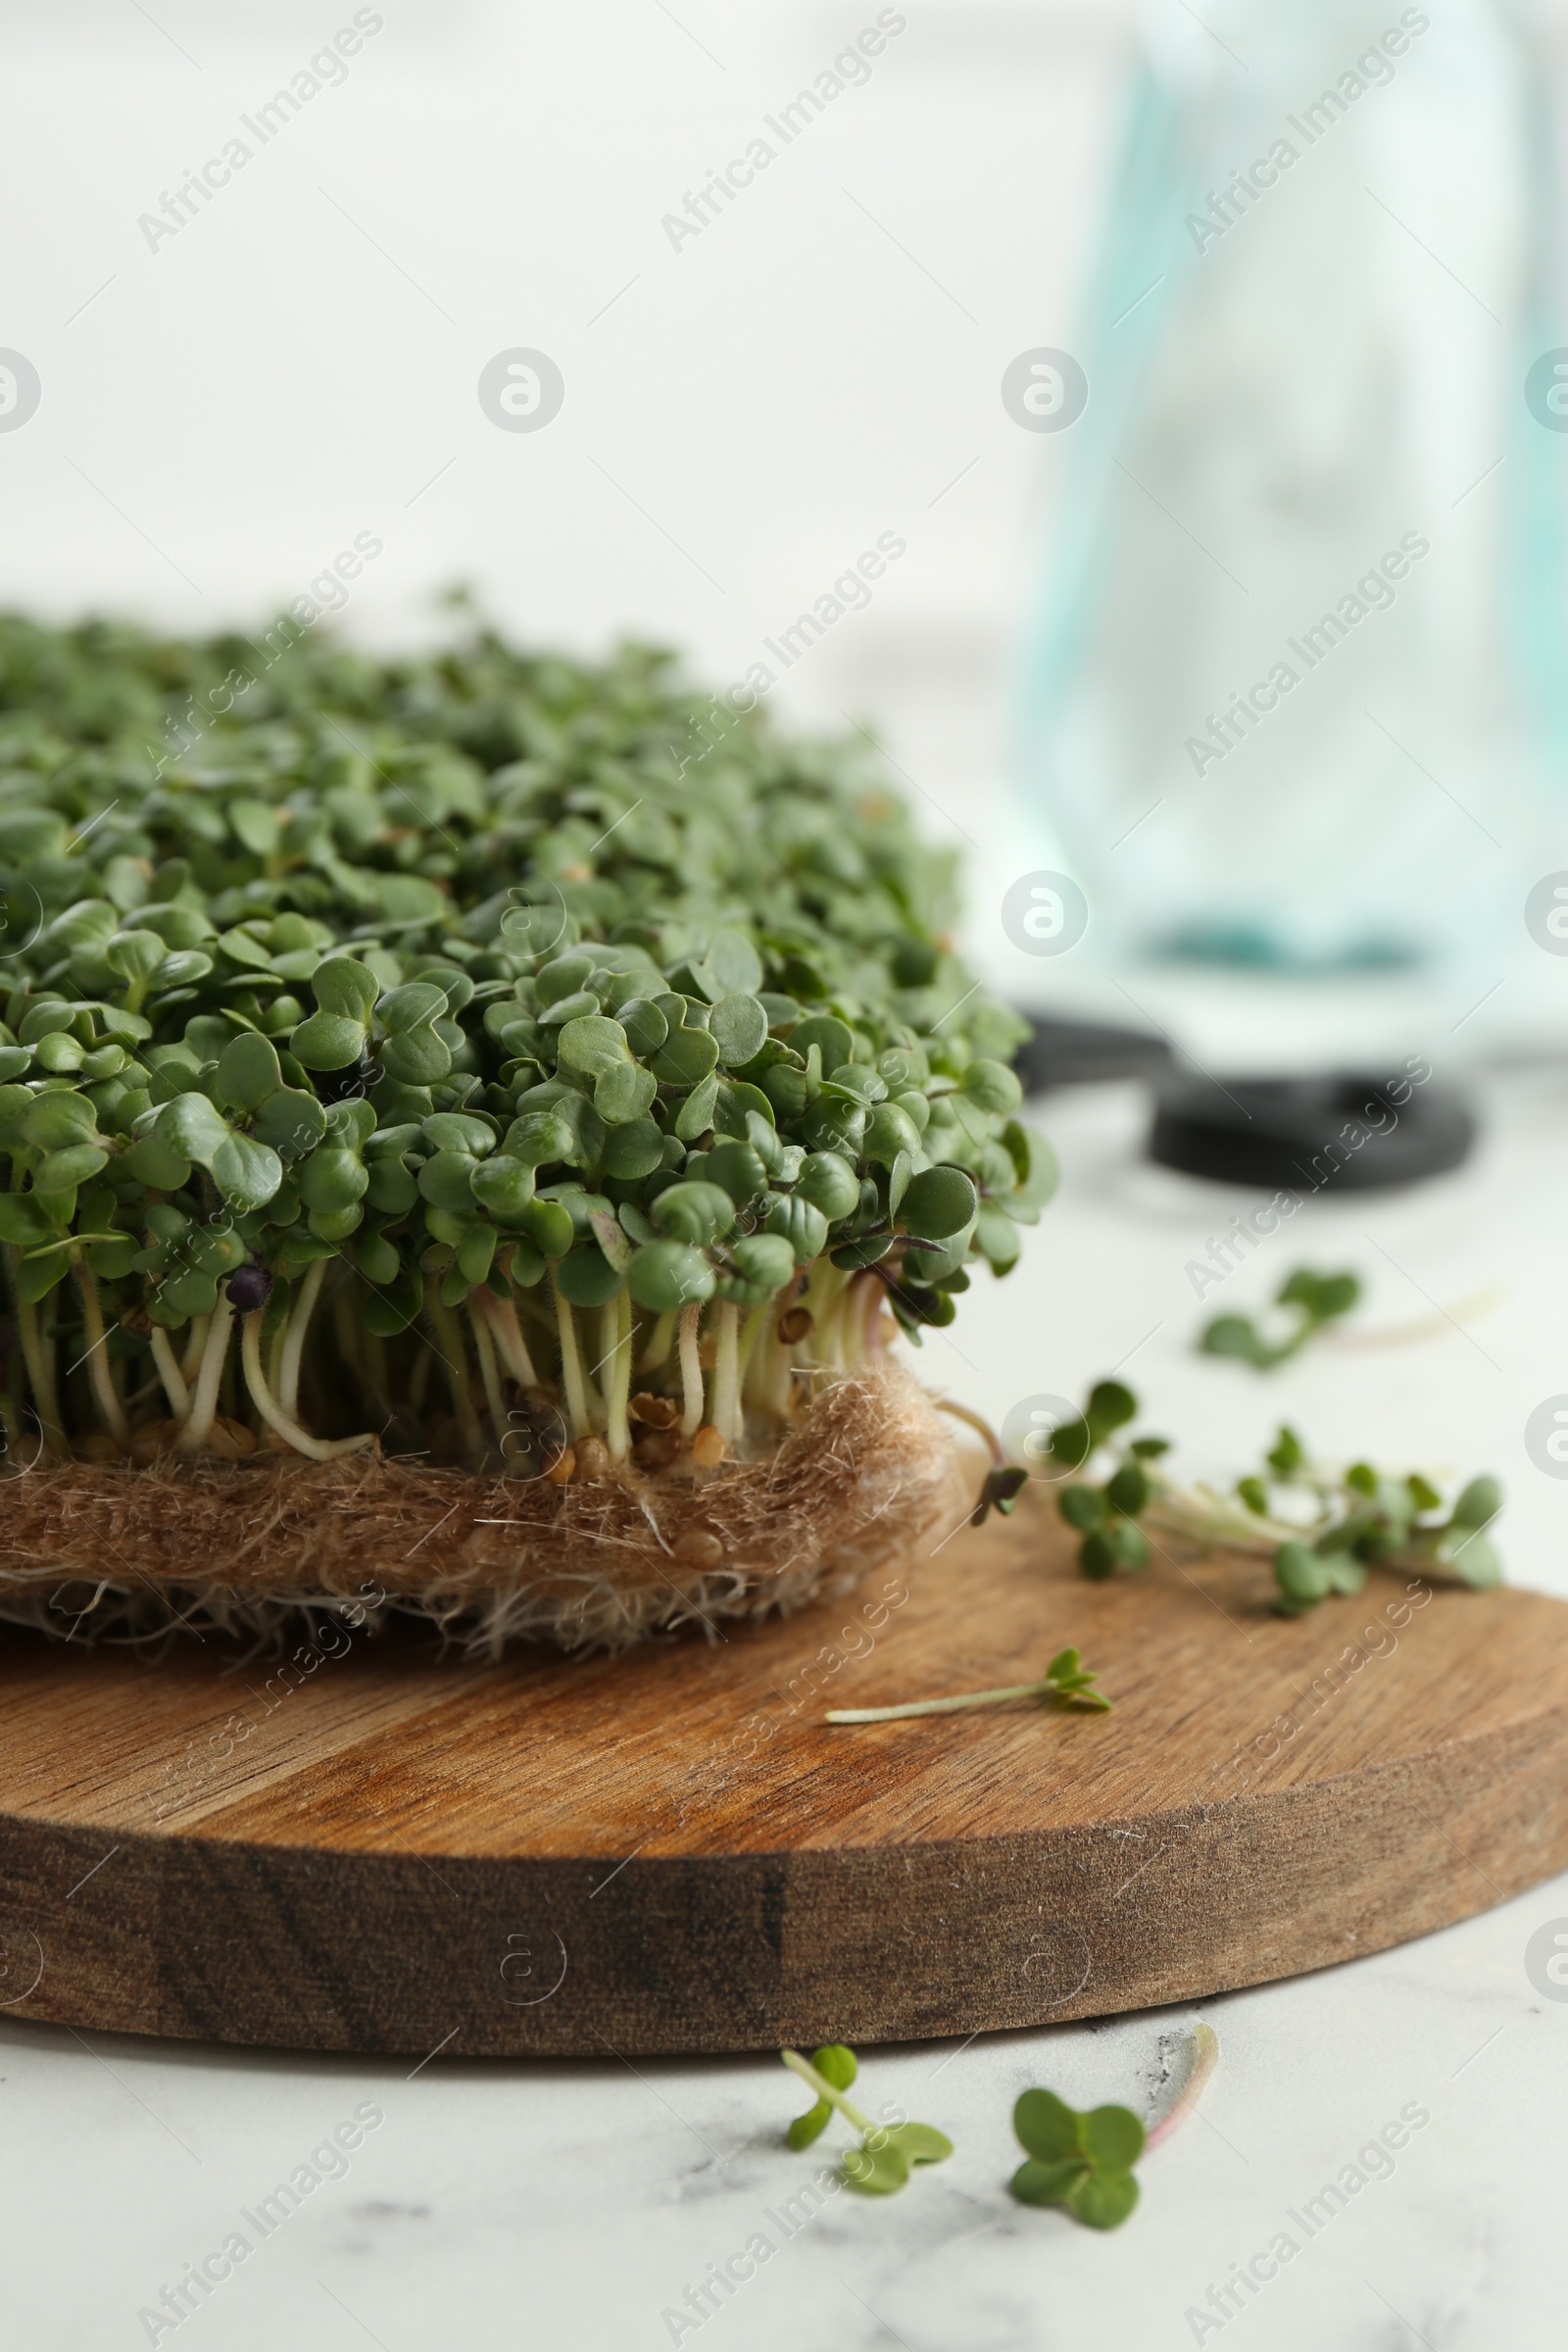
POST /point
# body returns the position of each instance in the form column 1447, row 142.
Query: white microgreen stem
column 449, row 1341
column 824, row 1295
column 825, row 2090
column 278, row 1308
column 827, row 1338
column 776, row 1383
column 601, row 1372
column 572, row 1378
column 726, row 1369
column 503, row 1319
column 1211, row 1522
column 39, row 1354
column 941, row 1706
column 301, row 1311
column 169, row 1372
column 657, row 1349
column 617, row 1382
column 751, row 1330
column 190, row 1364
column 1208, row 1516
column 489, row 1377
column 214, row 1354
column 691, row 1370
column 111, row 1411
column 784, row 1394
column 874, row 1324
column 982, row 1427
column 316, row 1449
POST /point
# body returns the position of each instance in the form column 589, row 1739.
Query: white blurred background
column 742, row 417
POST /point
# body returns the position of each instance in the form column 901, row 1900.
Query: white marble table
column 568, row 2207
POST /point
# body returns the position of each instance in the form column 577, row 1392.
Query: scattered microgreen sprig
column 1066, row 1683
column 887, row 2152
column 1107, row 1516
column 1084, row 2162
column 1318, row 1299
column 1323, row 1527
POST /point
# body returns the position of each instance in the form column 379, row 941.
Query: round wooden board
column 386, row 1850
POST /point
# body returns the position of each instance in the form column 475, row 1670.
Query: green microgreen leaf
column 1083, row 2162
column 1318, row 1299
column 836, row 2064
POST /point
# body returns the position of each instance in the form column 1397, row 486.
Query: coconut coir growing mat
column 375, row 1848
column 866, row 1476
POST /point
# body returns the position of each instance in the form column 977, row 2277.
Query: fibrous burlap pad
column 867, row 1476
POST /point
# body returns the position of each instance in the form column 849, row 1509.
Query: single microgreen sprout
column 1318, row 1299
column 1067, row 1681
column 1084, row 2162
column 887, row 2153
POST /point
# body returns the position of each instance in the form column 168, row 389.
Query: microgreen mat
column 468, row 1051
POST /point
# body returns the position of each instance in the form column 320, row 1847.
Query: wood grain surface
column 375, row 1848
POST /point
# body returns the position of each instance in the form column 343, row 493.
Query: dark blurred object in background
column 1355, row 1134
column 1081, row 1052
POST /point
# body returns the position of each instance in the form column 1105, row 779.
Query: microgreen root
column 316, row 1449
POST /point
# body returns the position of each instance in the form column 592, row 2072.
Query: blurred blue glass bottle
column 1298, row 683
